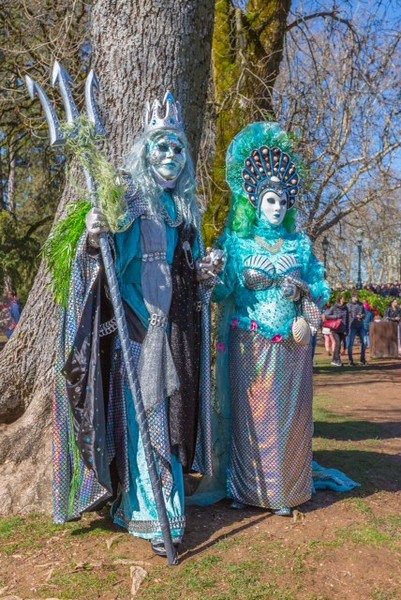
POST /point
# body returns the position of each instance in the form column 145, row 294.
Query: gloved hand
column 211, row 265
column 96, row 224
column 290, row 291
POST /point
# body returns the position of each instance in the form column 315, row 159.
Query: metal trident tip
column 56, row 137
column 30, row 85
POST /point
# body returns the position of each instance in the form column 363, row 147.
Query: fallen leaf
column 110, row 541
column 129, row 561
column 138, row 575
column 297, row 516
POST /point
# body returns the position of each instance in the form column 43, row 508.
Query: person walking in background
column 329, row 342
column 15, row 312
column 356, row 316
column 336, row 319
column 367, row 320
column 393, row 312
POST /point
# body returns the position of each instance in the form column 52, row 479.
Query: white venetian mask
column 273, row 207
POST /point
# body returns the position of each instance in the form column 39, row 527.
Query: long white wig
column 184, row 192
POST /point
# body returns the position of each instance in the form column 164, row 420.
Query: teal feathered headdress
column 260, row 158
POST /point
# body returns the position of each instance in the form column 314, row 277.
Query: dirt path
column 337, row 547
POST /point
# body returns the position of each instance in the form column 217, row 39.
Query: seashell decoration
column 301, row 331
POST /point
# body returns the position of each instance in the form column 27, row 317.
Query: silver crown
column 172, row 118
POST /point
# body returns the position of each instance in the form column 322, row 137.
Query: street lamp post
column 325, row 246
column 359, row 240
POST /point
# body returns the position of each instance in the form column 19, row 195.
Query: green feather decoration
column 110, row 190
column 59, row 249
column 242, row 216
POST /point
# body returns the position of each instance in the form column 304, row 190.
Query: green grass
column 25, row 533
column 9, row 526
column 22, row 534
column 253, row 565
column 82, row 584
column 215, row 578
column 360, row 505
column 380, row 594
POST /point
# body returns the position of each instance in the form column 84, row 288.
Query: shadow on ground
column 206, row 526
column 375, row 471
column 357, row 430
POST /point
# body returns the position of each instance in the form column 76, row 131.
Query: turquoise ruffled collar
column 270, row 232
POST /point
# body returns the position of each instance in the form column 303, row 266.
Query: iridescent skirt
column 271, row 391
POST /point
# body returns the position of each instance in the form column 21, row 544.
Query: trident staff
column 62, row 78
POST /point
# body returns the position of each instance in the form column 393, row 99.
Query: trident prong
column 56, row 137
column 63, row 79
column 92, row 109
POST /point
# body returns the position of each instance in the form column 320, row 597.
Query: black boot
column 159, row 548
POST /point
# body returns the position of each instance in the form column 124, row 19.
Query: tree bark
column 139, row 50
column 247, row 52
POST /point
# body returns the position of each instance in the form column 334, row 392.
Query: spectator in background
column 356, row 315
column 329, row 342
column 393, row 312
column 339, row 310
column 14, row 308
column 367, row 320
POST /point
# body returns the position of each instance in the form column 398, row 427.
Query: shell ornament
column 301, row 331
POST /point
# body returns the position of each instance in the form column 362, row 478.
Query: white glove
column 96, row 224
column 211, row 265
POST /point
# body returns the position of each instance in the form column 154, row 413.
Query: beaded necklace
column 274, row 248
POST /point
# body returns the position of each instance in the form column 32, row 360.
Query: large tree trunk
column 140, row 49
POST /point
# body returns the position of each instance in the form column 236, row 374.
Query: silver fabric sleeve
column 156, row 371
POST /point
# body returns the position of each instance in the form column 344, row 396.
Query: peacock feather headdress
column 261, row 158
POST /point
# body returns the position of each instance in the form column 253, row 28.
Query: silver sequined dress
column 270, row 375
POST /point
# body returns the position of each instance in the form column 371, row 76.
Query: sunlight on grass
column 380, row 531
column 82, row 584
column 9, row 526
column 261, row 563
column 219, row 577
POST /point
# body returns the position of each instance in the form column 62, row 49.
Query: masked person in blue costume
column 272, row 291
column 166, row 292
